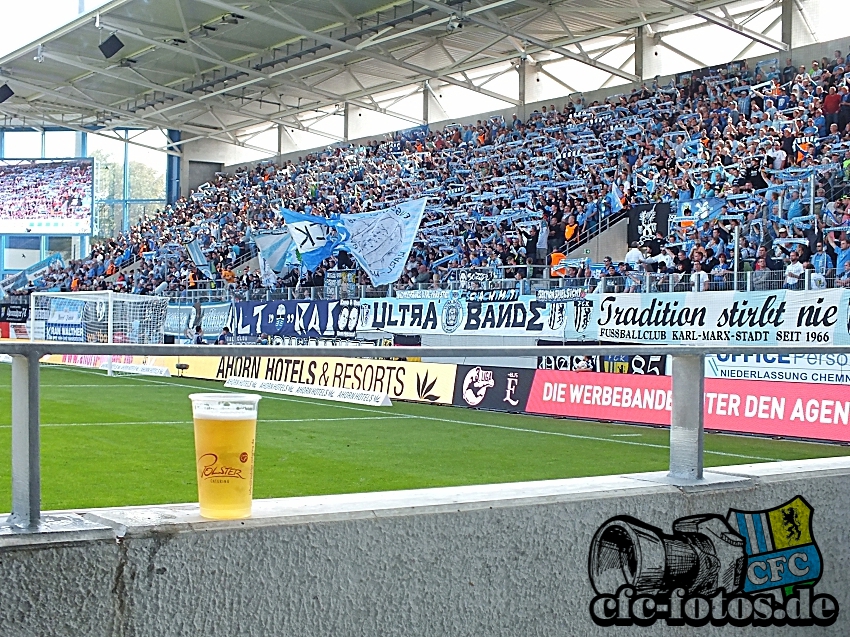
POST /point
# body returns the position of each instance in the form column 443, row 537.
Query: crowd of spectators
column 506, row 194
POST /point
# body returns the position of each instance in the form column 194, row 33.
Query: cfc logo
column 751, row 568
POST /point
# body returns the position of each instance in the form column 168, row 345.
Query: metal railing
column 758, row 281
column 633, row 282
column 686, row 431
column 249, row 253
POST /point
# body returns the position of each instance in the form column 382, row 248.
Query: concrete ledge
column 353, row 506
column 488, row 560
column 61, row 528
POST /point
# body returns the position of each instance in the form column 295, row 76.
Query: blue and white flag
column 615, row 197
column 196, row 253
column 701, row 209
column 309, row 232
column 380, row 241
column 276, row 251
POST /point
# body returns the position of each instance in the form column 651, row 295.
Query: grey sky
column 25, row 22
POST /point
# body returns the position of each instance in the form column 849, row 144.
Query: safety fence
column 528, row 279
column 555, row 392
column 716, row 280
column 555, row 314
column 562, row 315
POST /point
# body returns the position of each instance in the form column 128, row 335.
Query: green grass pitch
column 128, row 440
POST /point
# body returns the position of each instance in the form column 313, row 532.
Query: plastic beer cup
column 225, row 428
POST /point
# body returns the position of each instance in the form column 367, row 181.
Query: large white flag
column 380, row 241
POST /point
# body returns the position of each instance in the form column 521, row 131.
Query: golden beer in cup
column 225, row 429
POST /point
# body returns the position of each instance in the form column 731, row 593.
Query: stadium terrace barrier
column 686, row 430
column 752, row 550
column 534, row 279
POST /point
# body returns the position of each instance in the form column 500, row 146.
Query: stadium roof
column 214, row 67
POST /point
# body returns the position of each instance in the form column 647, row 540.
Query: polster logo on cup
column 755, row 568
column 209, row 469
column 475, row 385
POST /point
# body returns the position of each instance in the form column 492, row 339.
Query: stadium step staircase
column 609, row 238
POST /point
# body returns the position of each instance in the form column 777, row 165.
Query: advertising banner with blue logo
column 306, row 319
column 178, row 319
column 64, row 320
column 734, row 318
column 525, row 316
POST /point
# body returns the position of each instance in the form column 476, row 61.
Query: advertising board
column 417, row 382
column 496, row 388
column 800, row 410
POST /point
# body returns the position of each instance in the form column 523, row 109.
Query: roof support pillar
column 639, row 49
column 788, row 22
column 172, row 169
column 522, row 69
column 426, row 102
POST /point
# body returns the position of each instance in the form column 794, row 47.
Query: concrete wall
column 201, row 172
column 489, row 560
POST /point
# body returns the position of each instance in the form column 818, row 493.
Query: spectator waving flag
column 380, row 241
column 615, row 197
column 196, row 253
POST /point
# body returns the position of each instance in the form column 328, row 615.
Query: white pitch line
column 189, row 422
column 107, row 386
column 490, row 426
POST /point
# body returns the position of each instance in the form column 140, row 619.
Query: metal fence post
column 686, row 426
column 26, row 469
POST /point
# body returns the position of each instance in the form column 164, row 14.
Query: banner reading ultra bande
column 734, row 318
column 456, row 315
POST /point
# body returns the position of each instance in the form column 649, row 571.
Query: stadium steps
column 610, row 239
column 134, row 265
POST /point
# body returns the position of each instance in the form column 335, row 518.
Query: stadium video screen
column 46, row 196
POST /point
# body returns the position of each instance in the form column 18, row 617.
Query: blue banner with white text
column 302, row 318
